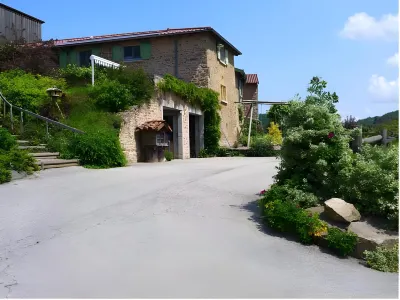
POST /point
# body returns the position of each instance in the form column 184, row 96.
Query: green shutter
column 96, row 51
column 145, row 50
column 117, row 54
column 63, row 59
column 73, row 57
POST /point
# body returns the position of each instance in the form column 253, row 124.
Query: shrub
column 286, row 216
column 22, row 161
column 168, row 155
column 203, row 153
column 111, row 96
column 5, row 175
column 75, row 75
column 27, row 90
column 383, row 259
column 98, row 150
column 370, row 181
column 7, row 141
column 139, row 84
column 261, row 147
column 291, row 194
column 341, row 242
column 275, row 133
column 314, row 151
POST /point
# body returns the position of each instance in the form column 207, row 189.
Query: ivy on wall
column 204, row 98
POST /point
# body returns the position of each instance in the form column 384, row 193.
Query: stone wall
column 133, row 118
column 154, row 111
column 221, row 74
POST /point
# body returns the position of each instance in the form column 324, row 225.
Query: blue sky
column 350, row 44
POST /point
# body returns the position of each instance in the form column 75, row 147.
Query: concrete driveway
column 183, row 229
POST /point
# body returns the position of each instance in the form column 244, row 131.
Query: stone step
column 31, row 147
column 48, row 163
column 45, row 155
column 22, row 142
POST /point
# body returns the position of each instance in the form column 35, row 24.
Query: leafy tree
column 318, row 95
column 350, row 122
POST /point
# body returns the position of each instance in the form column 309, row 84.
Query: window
column 222, row 54
column 132, row 53
column 222, row 94
column 84, row 58
column 240, row 87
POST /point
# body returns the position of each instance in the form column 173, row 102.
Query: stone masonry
column 190, row 57
column 154, row 111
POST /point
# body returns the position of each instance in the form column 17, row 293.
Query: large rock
column 340, row 211
column 370, row 237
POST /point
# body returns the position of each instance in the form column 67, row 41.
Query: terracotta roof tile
column 156, row 125
column 252, row 78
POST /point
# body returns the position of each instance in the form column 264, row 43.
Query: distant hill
column 394, row 115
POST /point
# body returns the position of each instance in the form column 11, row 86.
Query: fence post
column 11, row 118
column 384, row 136
column 22, row 122
column 47, row 129
column 357, row 142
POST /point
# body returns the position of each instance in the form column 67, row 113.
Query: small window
column 240, row 87
column 84, row 58
column 222, row 94
column 132, row 53
column 222, row 54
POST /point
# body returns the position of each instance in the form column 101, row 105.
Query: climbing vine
column 204, row 98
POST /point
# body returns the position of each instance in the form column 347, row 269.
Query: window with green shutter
column 63, row 59
column 145, row 50
column 117, row 54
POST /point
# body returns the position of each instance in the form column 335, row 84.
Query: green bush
column 290, row 194
column 203, row 153
column 111, row 96
column 5, row 175
column 383, row 259
column 341, row 242
column 315, row 150
column 7, row 141
column 168, row 155
column 22, row 161
column 27, row 90
column 75, row 75
column 139, row 84
column 370, row 181
column 286, row 216
column 98, row 150
column 261, row 146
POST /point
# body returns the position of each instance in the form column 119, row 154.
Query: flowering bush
column 275, row 134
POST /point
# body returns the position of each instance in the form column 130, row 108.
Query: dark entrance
column 192, row 135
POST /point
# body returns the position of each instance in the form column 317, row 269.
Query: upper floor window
column 240, row 88
column 84, row 58
column 132, row 53
column 222, row 54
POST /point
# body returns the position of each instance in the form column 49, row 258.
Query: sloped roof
column 251, row 78
column 141, row 35
column 156, row 125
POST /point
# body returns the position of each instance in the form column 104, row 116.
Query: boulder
column 340, row 211
column 370, row 237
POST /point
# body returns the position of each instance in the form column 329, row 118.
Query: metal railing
column 22, row 111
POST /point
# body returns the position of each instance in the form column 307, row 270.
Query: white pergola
column 101, row 62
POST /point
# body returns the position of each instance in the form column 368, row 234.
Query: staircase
column 46, row 160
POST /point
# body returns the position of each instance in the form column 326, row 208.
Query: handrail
column 47, row 120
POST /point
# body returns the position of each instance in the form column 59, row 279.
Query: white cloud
column 393, row 60
column 383, row 90
column 363, row 26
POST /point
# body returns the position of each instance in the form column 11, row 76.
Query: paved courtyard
column 183, row 229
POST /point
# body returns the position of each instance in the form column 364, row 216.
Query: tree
column 350, row 122
column 318, row 95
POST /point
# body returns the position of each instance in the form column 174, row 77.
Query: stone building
column 250, row 92
column 199, row 55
